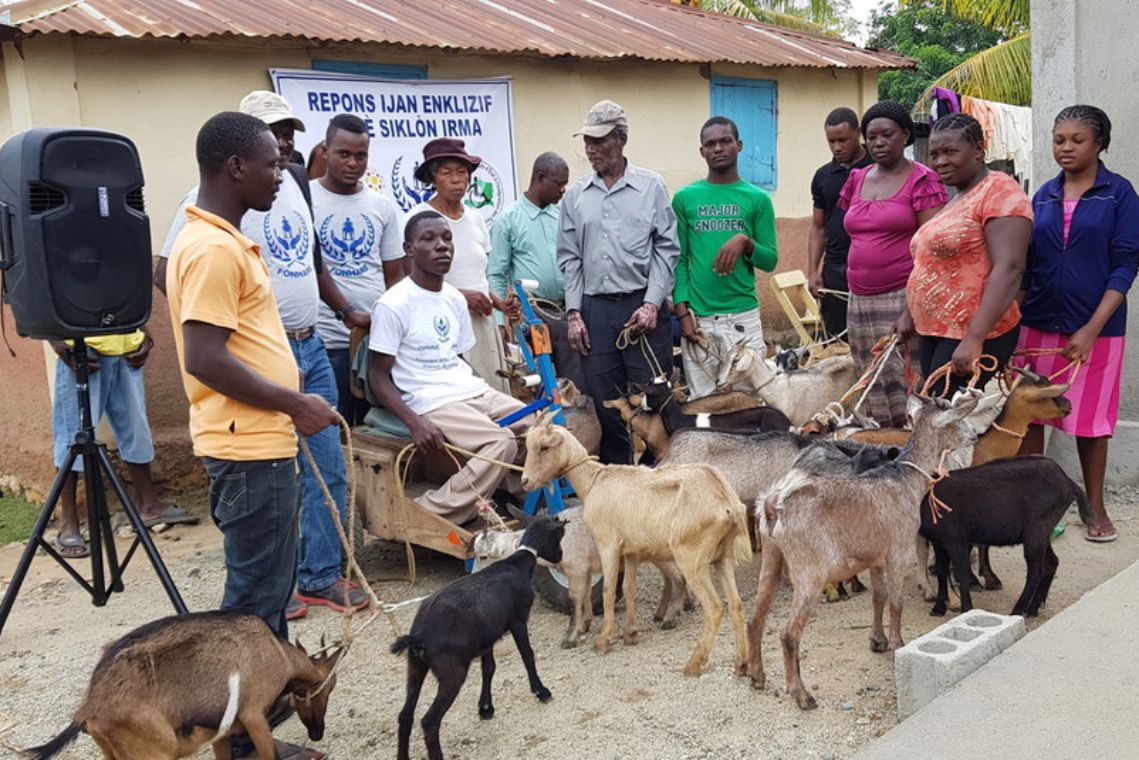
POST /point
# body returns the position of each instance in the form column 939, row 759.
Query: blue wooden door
column 750, row 103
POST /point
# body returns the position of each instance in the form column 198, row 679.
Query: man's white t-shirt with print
column 472, row 248
column 357, row 234
column 426, row 331
column 284, row 234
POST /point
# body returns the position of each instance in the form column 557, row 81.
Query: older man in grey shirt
column 617, row 249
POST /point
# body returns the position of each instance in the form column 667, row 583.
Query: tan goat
column 167, row 688
column 648, row 427
column 684, row 513
column 823, row 522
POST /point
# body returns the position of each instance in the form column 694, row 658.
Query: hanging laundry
column 1008, row 132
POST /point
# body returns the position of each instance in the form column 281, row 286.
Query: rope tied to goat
column 937, row 507
column 1071, row 369
column 629, row 337
column 982, row 364
column 835, row 412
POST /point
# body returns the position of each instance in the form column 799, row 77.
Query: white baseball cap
column 270, row 108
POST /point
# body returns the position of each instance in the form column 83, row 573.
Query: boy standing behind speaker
column 284, row 235
column 114, row 364
column 360, row 244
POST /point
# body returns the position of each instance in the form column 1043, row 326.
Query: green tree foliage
column 924, row 30
column 829, row 17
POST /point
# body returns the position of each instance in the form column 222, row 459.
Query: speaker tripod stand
column 105, row 579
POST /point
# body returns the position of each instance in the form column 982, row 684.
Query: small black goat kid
column 658, row 398
column 464, row 620
column 1001, row 503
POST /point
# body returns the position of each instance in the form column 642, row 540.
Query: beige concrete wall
column 160, row 92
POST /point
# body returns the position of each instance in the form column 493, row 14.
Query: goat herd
column 821, row 509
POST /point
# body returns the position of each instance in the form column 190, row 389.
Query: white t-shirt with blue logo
column 426, row 331
column 357, row 234
column 284, row 234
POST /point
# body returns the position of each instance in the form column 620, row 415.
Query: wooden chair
column 809, row 323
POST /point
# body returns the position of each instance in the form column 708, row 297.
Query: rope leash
column 628, row 338
column 1073, row 366
column 937, row 507
column 347, row 543
column 835, row 412
column 983, row 363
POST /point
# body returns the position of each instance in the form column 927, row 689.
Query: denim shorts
column 117, row 391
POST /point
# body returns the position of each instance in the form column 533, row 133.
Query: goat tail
column 412, row 644
column 1082, row 504
column 738, row 542
column 53, row 748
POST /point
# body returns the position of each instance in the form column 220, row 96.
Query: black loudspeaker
column 76, row 239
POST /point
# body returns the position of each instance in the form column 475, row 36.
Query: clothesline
column 1007, row 128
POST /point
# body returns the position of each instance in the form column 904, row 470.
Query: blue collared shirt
column 524, row 246
column 618, row 240
column 1064, row 283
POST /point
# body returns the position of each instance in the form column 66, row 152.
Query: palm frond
column 748, row 9
column 1002, row 73
column 1005, row 15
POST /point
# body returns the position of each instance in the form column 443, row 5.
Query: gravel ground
column 631, row 703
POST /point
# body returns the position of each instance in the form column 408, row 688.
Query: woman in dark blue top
column 1083, row 259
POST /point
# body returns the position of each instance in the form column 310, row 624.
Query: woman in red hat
column 448, row 168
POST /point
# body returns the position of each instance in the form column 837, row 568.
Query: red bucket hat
column 441, row 148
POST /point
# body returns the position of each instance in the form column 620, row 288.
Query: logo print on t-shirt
column 288, row 239
column 442, row 327
column 347, row 244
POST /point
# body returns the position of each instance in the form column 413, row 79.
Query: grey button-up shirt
column 618, row 240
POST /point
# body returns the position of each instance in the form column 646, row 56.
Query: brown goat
column 648, row 427
column 167, row 688
column 684, row 513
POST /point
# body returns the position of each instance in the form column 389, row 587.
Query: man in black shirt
column 828, row 243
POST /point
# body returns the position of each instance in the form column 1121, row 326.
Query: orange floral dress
column 951, row 259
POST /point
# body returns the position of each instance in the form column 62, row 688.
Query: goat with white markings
column 173, row 685
column 822, row 526
column 686, row 513
column 464, row 620
column 800, row 394
column 658, row 398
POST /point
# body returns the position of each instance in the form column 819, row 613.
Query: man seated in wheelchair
column 420, row 330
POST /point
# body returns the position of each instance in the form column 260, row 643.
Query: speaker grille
column 43, row 198
column 134, row 201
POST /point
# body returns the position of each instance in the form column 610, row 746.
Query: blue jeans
column 117, row 391
column 320, row 543
column 254, row 504
column 351, row 408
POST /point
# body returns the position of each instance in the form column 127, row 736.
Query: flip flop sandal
column 1101, row 538
column 72, row 546
column 171, row 515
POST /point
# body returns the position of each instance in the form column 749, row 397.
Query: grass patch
column 16, row 519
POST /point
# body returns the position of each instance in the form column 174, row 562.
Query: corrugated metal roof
column 590, row 29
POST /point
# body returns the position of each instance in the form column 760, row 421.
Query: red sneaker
column 333, row 596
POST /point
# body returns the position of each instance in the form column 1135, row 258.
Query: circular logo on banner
column 485, row 192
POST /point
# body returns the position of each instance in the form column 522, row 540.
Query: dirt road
column 631, row 703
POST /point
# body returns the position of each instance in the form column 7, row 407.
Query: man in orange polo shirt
column 237, row 368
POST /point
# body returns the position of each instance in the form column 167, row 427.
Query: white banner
column 402, row 116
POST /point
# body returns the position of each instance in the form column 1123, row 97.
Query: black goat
column 463, row 621
column 1001, row 503
column 658, row 398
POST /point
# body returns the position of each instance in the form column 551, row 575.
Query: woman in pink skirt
column 1083, row 259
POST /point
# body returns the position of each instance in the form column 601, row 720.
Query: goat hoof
column 657, row 618
column 805, row 701
column 601, row 645
column 486, row 713
column 876, row 645
column 692, row 670
column 937, row 611
column 631, row 639
column 741, row 668
column 543, row 694
column 569, row 643
column 758, row 679
column 668, row 624
column 994, row 585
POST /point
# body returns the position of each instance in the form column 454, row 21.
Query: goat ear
column 519, row 515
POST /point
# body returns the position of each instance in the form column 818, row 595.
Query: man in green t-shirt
column 726, row 227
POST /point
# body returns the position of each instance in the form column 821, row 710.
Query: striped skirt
column 868, row 318
column 1094, row 393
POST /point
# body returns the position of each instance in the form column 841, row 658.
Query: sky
column 860, row 9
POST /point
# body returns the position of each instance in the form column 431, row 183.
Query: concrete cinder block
column 932, row 664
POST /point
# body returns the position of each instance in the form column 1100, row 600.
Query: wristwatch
column 342, row 314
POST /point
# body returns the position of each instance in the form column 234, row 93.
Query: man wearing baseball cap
column 285, row 235
column 617, row 249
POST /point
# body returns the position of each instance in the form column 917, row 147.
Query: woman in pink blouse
column 885, row 204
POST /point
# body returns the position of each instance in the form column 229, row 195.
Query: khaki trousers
column 471, row 425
